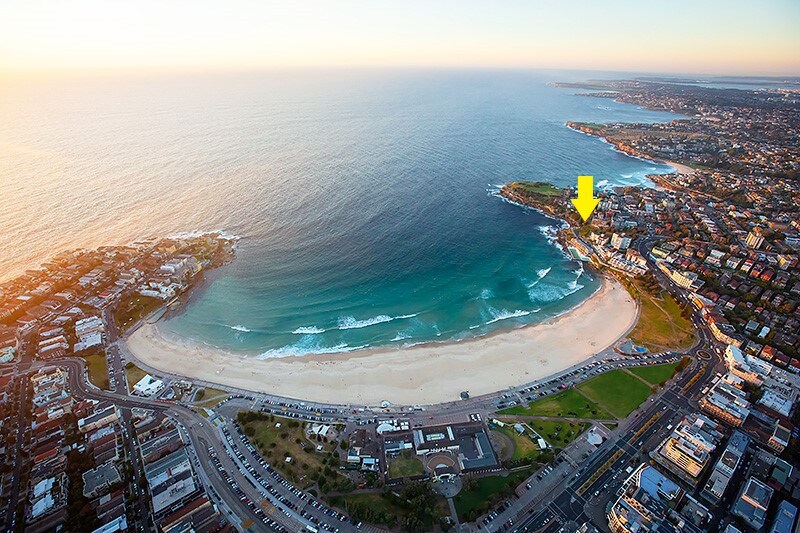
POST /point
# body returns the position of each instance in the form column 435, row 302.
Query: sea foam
column 349, row 322
column 308, row 330
column 305, row 346
column 505, row 315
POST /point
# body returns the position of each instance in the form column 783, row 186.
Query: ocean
column 365, row 200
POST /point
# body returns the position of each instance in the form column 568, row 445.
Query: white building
column 147, row 386
column 620, row 242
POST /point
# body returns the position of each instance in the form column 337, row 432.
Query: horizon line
column 243, row 69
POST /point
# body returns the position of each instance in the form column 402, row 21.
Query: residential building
column 687, row 451
column 752, row 503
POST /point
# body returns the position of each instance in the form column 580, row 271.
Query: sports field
column 655, row 374
column 616, row 391
column 568, row 404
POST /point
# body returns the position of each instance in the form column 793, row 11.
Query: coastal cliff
column 549, row 200
column 619, row 143
column 543, row 197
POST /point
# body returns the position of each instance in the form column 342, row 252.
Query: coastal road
column 639, row 434
column 200, row 432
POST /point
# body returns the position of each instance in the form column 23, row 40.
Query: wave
column 547, row 293
column 540, row 275
column 349, row 322
column 305, row 346
column 505, row 315
column 192, row 234
column 238, row 327
column 400, row 337
column 551, row 235
column 308, row 330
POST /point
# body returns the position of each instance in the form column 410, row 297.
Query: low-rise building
column 100, row 479
column 784, row 518
column 752, row 503
column 147, row 386
column 726, row 401
column 650, row 501
column 687, row 451
column 98, row 419
column 725, row 467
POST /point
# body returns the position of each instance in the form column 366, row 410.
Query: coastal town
column 688, row 423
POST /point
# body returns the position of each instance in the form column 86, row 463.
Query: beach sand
column 681, row 168
column 425, row 374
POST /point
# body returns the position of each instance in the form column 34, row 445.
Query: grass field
column 557, row 433
column 211, row 397
column 524, row 447
column 536, row 188
column 478, row 496
column 655, row 374
column 405, row 465
column 378, row 505
column 386, row 509
column 133, row 374
column 98, row 370
column 616, row 391
column 568, row 403
column 289, row 440
column 128, row 312
column 661, row 324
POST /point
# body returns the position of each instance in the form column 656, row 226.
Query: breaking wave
column 349, row 322
column 308, row 330
column 505, row 315
column 305, row 346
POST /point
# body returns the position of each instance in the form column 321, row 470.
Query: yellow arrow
column 585, row 202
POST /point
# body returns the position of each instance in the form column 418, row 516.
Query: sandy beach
column 425, row 374
column 680, row 168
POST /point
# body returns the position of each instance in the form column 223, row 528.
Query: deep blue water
column 363, row 199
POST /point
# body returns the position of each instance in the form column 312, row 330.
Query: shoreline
column 680, row 168
column 425, row 374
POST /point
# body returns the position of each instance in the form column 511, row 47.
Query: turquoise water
column 364, row 199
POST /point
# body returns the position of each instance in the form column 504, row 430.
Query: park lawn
column 536, row 188
column 473, row 501
column 211, row 397
column 275, row 444
column 559, row 433
column 655, row 374
column 661, row 324
column 616, row 391
column 405, row 465
column 97, row 367
column 524, row 447
column 133, row 374
column 130, row 311
column 568, row 403
column 380, row 508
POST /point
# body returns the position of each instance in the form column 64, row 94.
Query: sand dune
column 425, row 374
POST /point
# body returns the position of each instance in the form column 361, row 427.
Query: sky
column 679, row 36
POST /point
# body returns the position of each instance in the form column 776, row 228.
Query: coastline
column 425, row 374
column 680, row 168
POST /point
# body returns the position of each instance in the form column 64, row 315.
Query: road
column 585, row 495
column 116, row 376
column 201, row 434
